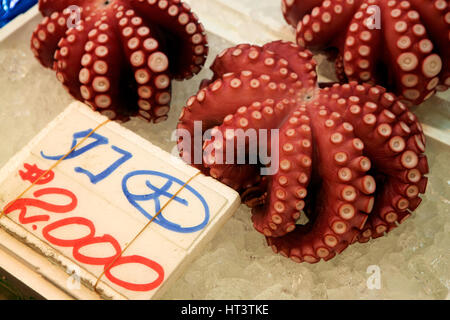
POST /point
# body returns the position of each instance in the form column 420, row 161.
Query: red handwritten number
column 92, row 260
column 65, row 222
column 134, row 286
column 31, row 174
column 23, row 203
column 78, row 244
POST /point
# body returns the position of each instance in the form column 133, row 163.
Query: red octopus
column 350, row 157
column 402, row 45
column 119, row 56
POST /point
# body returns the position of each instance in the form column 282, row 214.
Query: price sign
column 93, row 208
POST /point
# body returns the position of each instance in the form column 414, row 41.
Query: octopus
column 401, row 45
column 120, row 56
column 349, row 158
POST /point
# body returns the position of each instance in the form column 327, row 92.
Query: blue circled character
column 163, row 191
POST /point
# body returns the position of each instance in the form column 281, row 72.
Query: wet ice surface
column 413, row 259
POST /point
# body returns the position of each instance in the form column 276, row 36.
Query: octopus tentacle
column 98, row 79
column 340, row 69
column 235, row 58
column 224, row 97
column 48, row 7
column 415, row 68
column 300, row 61
column 360, row 61
column 265, row 60
column 45, row 38
column 188, row 34
column 321, row 27
column 338, row 218
column 284, row 206
column 256, row 62
column 72, row 47
column 436, row 16
column 295, row 10
column 241, row 131
column 281, row 209
column 150, row 66
column 384, row 124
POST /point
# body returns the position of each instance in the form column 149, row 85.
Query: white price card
column 123, row 216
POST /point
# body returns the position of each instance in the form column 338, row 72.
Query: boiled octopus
column 350, row 157
column 120, row 56
column 402, row 45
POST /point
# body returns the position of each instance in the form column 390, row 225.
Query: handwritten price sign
column 94, row 202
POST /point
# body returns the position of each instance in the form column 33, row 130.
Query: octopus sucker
column 45, row 43
column 185, row 34
column 297, row 158
column 409, row 61
column 318, row 29
column 68, row 51
column 350, row 157
column 119, row 56
column 359, row 60
column 148, row 64
column 104, row 77
column 402, row 45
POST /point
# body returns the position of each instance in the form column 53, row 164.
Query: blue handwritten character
column 98, row 140
column 156, row 195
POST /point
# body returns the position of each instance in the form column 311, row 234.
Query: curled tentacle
column 186, row 34
column 395, row 143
